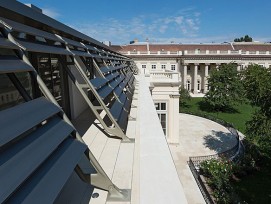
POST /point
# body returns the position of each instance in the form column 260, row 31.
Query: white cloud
column 184, row 23
column 163, row 28
column 195, row 39
column 51, row 12
column 179, row 19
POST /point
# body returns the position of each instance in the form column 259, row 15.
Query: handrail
column 234, row 154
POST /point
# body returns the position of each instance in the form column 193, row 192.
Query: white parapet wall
column 166, row 90
column 159, row 181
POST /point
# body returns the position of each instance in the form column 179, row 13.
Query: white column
column 184, row 75
column 205, row 77
column 195, row 78
column 217, row 65
column 173, row 122
column 238, row 67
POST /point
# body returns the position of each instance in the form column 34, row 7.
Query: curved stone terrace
column 198, row 137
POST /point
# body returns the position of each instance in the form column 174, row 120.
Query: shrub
column 218, row 174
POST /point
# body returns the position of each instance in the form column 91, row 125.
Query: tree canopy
column 184, row 95
column 257, row 85
column 246, row 38
column 226, row 89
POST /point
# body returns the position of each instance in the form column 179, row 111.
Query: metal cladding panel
column 79, row 53
column 90, row 47
column 118, row 90
column 34, row 47
column 105, row 69
column 109, row 77
column 123, row 120
column 122, row 98
column 98, row 56
column 129, row 95
column 46, row 183
column 104, row 91
column 116, row 109
column 13, row 123
column 72, row 42
column 98, row 82
column 13, row 65
column 25, row 11
column 29, row 153
column 27, row 29
column 114, row 83
column 5, row 43
column 121, row 78
column 28, row 14
column 111, row 68
column 127, row 105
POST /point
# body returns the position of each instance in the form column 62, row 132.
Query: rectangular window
column 163, row 66
column 163, row 120
column 173, row 67
column 153, row 66
column 143, row 66
column 161, row 109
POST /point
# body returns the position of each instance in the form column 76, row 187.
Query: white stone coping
column 159, row 181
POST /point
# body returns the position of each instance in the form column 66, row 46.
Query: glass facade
column 9, row 95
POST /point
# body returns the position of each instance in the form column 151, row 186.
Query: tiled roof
column 132, row 47
column 253, row 47
column 183, row 47
column 190, row 47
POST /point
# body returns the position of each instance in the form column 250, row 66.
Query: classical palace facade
column 193, row 62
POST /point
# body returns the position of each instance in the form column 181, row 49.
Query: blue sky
column 180, row 21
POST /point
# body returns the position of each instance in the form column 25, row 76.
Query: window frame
column 158, row 106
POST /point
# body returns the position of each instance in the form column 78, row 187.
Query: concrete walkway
column 198, row 137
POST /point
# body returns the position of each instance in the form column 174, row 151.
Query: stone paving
column 198, row 137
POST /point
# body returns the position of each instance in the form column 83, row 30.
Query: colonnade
column 195, row 76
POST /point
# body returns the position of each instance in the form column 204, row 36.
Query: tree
column 184, row 95
column 226, row 89
column 257, row 85
column 258, row 131
column 244, row 39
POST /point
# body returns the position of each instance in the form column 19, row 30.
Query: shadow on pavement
column 219, row 141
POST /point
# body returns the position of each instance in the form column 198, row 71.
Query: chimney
column 108, row 43
column 34, row 7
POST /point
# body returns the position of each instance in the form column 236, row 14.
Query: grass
column 238, row 118
column 253, row 188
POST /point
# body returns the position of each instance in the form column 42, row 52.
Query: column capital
column 196, row 64
column 185, row 64
column 218, row 64
column 207, row 64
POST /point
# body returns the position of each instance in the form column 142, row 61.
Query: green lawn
column 254, row 188
column 238, row 119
